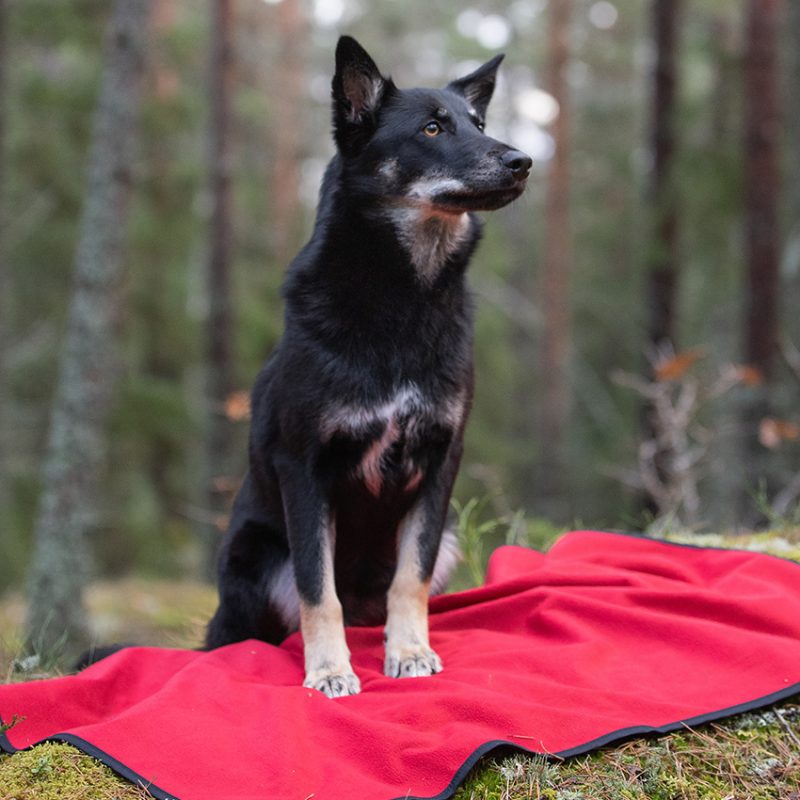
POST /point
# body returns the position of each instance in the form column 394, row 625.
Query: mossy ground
column 749, row 757
column 753, row 756
column 55, row 771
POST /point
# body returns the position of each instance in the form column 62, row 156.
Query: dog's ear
column 477, row 87
column 358, row 90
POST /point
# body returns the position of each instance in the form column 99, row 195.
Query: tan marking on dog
column 428, row 232
column 371, row 463
column 408, row 403
column 428, row 236
column 408, row 652
column 327, row 658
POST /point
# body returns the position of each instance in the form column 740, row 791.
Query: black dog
column 359, row 414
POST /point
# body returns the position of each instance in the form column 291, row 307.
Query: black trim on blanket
column 487, row 748
column 615, row 737
column 95, row 752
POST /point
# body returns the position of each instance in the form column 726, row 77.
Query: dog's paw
column 407, row 663
column 333, row 683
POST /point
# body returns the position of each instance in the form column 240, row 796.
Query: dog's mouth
column 478, row 199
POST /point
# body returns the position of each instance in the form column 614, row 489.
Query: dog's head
column 422, row 147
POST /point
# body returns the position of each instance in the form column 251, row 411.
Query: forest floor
column 754, row 756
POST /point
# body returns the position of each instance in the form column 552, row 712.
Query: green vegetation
column 54, row 771
column 753, row 756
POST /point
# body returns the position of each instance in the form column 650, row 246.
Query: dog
column 358, row 416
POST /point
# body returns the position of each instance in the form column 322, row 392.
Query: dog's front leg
column 312, row 539
column 408, row 652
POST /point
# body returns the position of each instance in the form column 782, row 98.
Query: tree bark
column 555, row 285
column 287, row 128
column 664, row 260
column 761, row 185
column 219, row 326
column 6, row 291
column 761, row 222
column 163, row 84
column 76, row 447
column 793, row 125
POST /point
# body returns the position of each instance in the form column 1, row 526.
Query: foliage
column 479, row 534
column 151, row 493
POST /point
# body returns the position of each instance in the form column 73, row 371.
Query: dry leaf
column 772, row 432
column 748, row 375
column 675, row 367
column 237, row 406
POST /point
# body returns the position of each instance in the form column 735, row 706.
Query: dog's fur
column 358, row 416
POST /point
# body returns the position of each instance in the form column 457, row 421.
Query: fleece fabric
column 604, row 637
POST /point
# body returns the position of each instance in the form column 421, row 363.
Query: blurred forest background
column 637, row 333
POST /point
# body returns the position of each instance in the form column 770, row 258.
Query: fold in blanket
column 603, row 637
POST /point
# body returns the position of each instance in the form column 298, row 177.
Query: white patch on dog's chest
column 429, row 236
column 404, row 417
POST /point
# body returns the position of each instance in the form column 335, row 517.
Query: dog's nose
column 517, row 162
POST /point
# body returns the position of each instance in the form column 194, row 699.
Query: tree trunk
column 219, row 326
column 663, row 266
column 76, row 445
column 555, row 300
column 792, row 106
column 163, row 85
column 761, row 185
column 287, row 127
column 6, row 293
column 761, row 223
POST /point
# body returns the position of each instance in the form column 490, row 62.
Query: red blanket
column 603, row 637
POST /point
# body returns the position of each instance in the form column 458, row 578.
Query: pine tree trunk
column 159, row 361
column 761, row 185
column 6, row 292
column 663, row 258
column 219, row 326
column 287, row 128
column 76, row 445
column 555, row 300
column 663, row 267
column 761, row 223
column 792, row 105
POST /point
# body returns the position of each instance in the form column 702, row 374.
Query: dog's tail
column 448, row 557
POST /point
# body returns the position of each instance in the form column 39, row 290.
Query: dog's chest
column 389, row 442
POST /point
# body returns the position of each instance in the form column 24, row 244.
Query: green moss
column 783, row 542
column 756, row 756
column 54, row 771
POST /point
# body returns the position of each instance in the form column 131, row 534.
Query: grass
column 750, row 757
column 753, row 756
column 54, row 771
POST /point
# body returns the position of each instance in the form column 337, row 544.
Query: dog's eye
column 480, row 126
column 432, row 129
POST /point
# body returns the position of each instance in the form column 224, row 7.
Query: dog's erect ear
column 478, row 86
column 358, row 91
